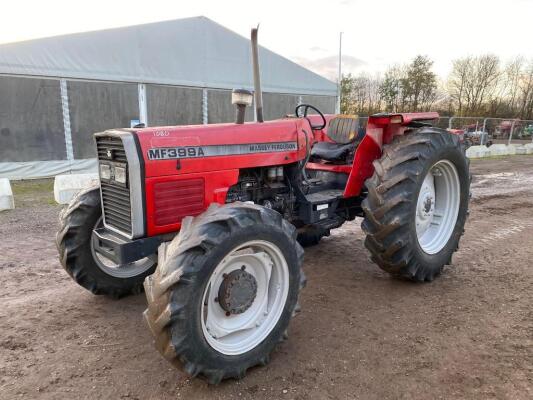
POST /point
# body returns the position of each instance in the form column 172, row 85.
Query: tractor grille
column 113, row 144
column 115, row 197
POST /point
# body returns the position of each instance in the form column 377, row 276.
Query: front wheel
column 417, row 203
column 75, row 243
column 225, row 290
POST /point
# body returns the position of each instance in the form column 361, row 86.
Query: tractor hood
column 202, row 148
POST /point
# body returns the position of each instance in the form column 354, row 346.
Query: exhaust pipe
column 258, row 95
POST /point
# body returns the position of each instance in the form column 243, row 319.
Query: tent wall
column 171, row 105
column 33, row 131
column 275, row 105
column 326, row 104
column 220, row 109
column 97, row 106
column 31, row 122
column 278, row 105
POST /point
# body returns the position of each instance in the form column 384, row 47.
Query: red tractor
column 210, row 219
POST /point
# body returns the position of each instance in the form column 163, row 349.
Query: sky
column 376, row 33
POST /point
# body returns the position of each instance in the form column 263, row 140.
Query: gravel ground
column 361, row 334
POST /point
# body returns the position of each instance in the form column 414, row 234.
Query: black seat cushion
column 331, row 151
column 346, row 134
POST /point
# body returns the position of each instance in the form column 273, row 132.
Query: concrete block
column 66, row 186
column 7, row 201
column 499, row 150
column 528, row 149
column 477, row 152
column 521, row 150
column 511, row 149
column 528, row 146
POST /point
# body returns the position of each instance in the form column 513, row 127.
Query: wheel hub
column 425, row 206
column 237, row 292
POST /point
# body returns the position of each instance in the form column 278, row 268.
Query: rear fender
column 380, row 130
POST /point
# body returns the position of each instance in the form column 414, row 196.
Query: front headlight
column 105, row 171
column 120, row 174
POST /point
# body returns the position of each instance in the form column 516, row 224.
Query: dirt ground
column 361, row 334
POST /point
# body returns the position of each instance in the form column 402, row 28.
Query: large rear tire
column 417, row 204
column 224, row 290
column 79, row 258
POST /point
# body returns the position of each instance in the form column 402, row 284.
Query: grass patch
column 33, row 192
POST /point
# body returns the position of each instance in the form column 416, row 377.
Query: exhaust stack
column 258, row 95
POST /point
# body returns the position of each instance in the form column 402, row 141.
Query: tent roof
column 187, row 52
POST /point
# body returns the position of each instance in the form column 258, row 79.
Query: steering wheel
column 306, row 108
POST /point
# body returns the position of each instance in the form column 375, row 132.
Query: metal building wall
column 97, row 106
column 31, row 123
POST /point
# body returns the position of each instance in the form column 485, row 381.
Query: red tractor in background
column 211, row 219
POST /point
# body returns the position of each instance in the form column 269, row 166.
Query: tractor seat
column 346, row 135
column 331, row 151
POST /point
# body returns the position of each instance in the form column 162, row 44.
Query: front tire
column 78, row 257
column 417, row 204
column 206, row 299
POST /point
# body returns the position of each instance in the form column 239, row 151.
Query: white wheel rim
column 437, row 207
column 238, row 333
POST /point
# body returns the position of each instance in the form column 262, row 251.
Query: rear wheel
column 77, row 254
column 225, row 290
column 417, row 204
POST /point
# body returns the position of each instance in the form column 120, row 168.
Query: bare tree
column 473, row 83
column 360, row 94
column 477, row 85
column 525, row 102
column 513, row 72
column 457, row 81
